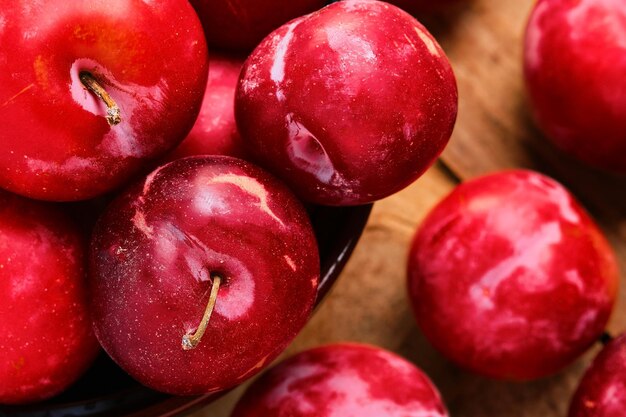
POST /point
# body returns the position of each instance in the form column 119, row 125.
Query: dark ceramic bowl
column 107, row 391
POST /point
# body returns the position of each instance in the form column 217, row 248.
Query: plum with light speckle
column 192, row 227
column 510, row 278
column 602, row 391
column 574, row 64
column 342, row 380
column 46, row 339
column 91, row 90
column 241, row 24
column 349, row 104
column 215, row 131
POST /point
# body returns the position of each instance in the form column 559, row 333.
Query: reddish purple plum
column 510, row 278
column 574, row 63
column 343, row 380
column 202, row 235
column 46, row 339
column 91, row 90
column 348, row 104
column 241, row 24
column 602, row 391
column 215, row 131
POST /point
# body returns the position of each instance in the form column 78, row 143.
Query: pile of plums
column 204, row 266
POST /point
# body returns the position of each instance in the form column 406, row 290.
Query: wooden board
column 494, row 131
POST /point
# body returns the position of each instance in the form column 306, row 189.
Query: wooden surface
column 494, row 131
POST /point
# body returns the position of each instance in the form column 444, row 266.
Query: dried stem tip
column 606, row 338
column 113, row 111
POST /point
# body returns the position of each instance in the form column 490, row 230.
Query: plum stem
column 190, row 341
column 113, row 111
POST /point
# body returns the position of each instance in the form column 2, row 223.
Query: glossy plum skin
column 215, row 131
column 348, row 104
column 602, row 391
column 151, row 57
column 342, row 380
column 46, row 338
column 574, row 64
column 239, row 25
column 510, row 278
column 153, row 256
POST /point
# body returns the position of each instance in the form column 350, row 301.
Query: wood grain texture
column 494, row 131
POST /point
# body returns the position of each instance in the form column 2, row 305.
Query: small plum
column 349, row 104
column 510, row 278
column 46, row 339
column 201, row 274
column 342, row 380
column 91, row 90
column 602, row 391
column 574, row 64
column 215, row 131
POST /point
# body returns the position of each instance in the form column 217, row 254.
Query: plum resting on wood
column 348, row 104
column 342, row 380
column 602, row 391
column 202, row 238
column 510, row 278
column 575, row 66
